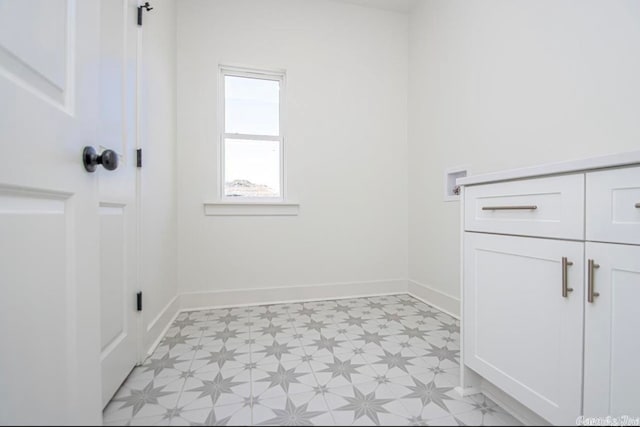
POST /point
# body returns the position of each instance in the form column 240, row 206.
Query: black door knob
column 91, row 159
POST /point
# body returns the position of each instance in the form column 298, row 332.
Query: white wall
column 158, row 175
column 345, row 143
column 499, row 84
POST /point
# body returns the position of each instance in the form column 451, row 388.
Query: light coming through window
column 252, row 142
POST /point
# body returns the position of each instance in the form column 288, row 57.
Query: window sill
column 251, row 209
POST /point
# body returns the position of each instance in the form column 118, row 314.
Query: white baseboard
column 158, row 327
column 435, row 298
column 248, row 297
column 193, row 301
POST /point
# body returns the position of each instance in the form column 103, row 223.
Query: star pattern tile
column 341, row 368
column 282, row 378
column 387, row 360
column 365, row 406
column 292, row 415
column 216, row 388
column 139, row 398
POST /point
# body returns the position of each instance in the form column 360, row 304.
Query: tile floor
column 388, row 360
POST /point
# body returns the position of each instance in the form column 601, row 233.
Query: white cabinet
column 612, row 332
column 521, row 332
column 613, row 206
column 551, row 288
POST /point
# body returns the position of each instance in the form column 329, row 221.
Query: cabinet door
column 612, row 334
column 521, row 333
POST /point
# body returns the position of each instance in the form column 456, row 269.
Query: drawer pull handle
column 591, row 270
column 565, row 277
column 510, row 208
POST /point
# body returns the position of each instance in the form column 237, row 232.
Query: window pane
column 252, row 168
column 252, row 106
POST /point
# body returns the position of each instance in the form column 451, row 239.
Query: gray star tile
column 216, row 388
column 293, row 415
column 313, row 325
column 328, row 344
column 269, row 315
column 443, row 353
column 452, row 328
column 221, row 357
column 277, row 350
column 175, row 340
column 355, row 321
column 365, row 406
column 397, row 360
column 342, row 368
column 429, row 393
column 282, row 378
column 157, row 366
column 138, row 398
column 272, row 330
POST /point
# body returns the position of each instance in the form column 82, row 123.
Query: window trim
column 253, row 73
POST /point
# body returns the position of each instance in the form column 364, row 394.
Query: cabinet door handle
column 510, row 208
column 565, row 277
column 591, row 270
column 637, row 205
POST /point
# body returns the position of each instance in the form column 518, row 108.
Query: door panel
column 35, row 37
column 34, row 267
column 49, row 309
column 117, row 193
column 113, row 259
column 612, row 337
column 521, row 333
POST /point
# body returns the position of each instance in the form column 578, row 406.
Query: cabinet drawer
column 613, row 206
column 544, row 207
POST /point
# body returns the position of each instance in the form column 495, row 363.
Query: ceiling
column 395, row 5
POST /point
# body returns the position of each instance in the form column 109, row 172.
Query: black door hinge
column 139, row 301
column 146, row 7
column 139, row 157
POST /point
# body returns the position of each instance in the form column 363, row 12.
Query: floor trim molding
column 435, row 298
column 158, row 327
column 193, row 301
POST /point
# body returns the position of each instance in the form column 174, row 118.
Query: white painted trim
column 251, row 209
column 248, row 137
column 595, row 163
column 159, row 326
column 195, row 301
column 467, row 391
column 444, row 302
column 140, row 331
column 291, row 294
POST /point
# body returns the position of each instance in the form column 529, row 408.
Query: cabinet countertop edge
column 572, row 166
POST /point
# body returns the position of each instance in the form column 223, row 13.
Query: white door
column 612, row 333
column 49, row 228
column 117, row 131
column 521, row 333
